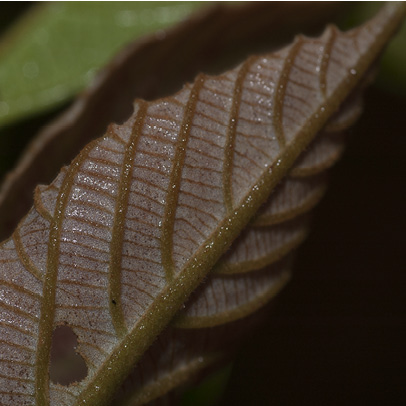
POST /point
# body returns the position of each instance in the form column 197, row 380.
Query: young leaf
column 117, row 243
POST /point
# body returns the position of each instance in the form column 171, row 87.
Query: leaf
column 152, row 67
column 65, row 43
column 252, row 272
column 346, row 295
column 117, row 243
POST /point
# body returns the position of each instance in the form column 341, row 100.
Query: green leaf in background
column 56, row 49
column 210, row 390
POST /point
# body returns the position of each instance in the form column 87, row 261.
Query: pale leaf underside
column 150, row 68
column 116, row 244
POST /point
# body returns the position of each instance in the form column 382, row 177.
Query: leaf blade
column 210, row 255
column 62, row 140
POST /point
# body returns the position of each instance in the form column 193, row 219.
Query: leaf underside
column 150, row 68
column 125, row 233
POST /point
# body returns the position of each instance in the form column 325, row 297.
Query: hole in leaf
column 67, row 366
